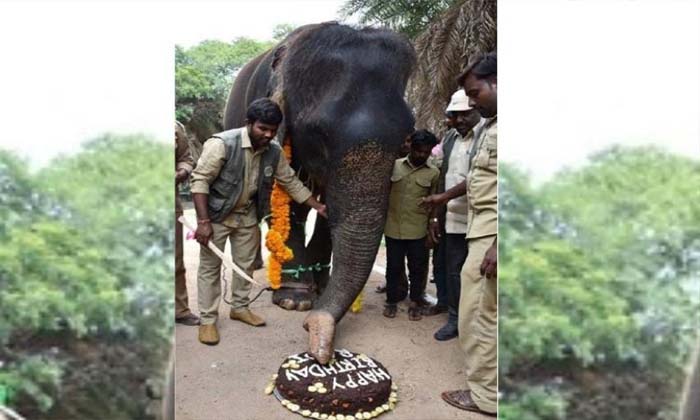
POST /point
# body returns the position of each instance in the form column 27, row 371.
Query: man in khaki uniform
column 478, row 306
column 231, row 188
column 406, row 226
column 183, row 167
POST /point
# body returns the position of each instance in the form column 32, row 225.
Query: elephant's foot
column 293, row 299
column 321, row 328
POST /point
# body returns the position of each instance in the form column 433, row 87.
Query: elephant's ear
column 277, row 56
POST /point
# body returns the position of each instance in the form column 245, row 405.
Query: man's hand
column 203, row 233
column 434, row 231
column 489, row 266
column 432, row 201
column 181, row 175
column 314, row 204
column 321, row 209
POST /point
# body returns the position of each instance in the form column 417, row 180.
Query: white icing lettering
column 350, row 383
column 381, row 374
column 371, row 363
column 317, row 371
column 302, row 372
column 370, row 375
column 336, row 384
column 345, row 353
column 301, row 359
column 290, row 375
column 358, row 362
column 330, row 370
column 346, row 366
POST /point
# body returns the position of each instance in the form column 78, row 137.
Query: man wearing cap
column 183, row 168
column 231, row 188
column 448, row 224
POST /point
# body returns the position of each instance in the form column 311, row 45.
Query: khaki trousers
column 244, row 246
column 181, row 304
column 478, row 326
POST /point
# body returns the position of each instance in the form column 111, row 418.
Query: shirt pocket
column 424, row 183
column 216, row 203
column 421, row 187
column 224, row 185
column 396, row 178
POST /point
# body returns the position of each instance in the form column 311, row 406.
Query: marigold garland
column 279, row 229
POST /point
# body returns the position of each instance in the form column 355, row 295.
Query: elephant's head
column 346, row 113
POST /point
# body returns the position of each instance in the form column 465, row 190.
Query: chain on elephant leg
column 296, row 291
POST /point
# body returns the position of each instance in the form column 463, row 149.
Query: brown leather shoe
column 245, row 315
column 208, row 334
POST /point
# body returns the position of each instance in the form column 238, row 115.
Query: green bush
column 599, row 277
column 86, row 267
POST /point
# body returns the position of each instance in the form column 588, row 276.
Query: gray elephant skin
column 342, row 93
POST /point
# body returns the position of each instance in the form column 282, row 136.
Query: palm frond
column 443, row 50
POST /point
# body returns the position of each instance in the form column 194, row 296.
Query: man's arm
column 433, row 222
column 284, row 174
column 208, row 168
column 183, row 158
column 437, row 200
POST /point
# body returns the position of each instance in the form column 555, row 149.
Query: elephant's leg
column 296, row 291
column 319, row 251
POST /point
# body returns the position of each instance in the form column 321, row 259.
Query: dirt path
column 226, row 382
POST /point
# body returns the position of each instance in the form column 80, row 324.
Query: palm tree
column 465, row 29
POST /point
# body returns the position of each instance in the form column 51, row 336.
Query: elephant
column 341, row 90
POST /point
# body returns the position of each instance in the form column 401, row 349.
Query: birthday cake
column 352, row 386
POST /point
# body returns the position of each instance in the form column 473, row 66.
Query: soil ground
column 226, row 381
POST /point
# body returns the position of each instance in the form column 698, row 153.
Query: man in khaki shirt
column 407, row 223
column 183, row 167
column 478, row 306
column 231, row 188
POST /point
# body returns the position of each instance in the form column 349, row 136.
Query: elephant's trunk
column 357, row 196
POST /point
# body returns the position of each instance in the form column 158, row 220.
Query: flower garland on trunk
column 280, row 227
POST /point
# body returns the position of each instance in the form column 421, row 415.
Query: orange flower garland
column 279, row 229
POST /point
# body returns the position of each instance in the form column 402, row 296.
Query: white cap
column 459, row 102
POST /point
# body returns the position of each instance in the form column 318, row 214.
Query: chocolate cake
column 352, row 386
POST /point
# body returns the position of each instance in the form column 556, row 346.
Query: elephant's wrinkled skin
column 342, row 93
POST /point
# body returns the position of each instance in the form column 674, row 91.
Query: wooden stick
column 226, row 259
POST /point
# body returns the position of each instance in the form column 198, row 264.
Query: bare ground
column 226, row 382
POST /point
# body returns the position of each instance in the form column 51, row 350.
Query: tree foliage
column 599, row 280
column 410, row 17
column 85, row 279
column 204, row 75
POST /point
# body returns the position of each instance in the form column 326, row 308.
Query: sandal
column 462, row 399
column 390, row 311
column 415, row 313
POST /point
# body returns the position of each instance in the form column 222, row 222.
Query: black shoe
column 390, row 310
column 189, row 319
column 447, row 332
column 434, row 310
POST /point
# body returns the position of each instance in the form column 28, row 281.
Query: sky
column 75, row 70
column 578, row 76
column 575, row 76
